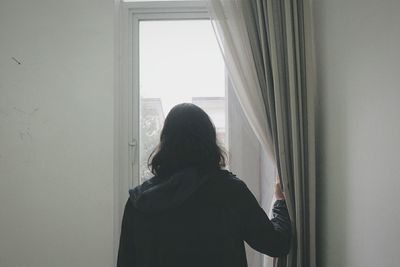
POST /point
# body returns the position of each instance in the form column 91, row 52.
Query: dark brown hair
column 188, row 139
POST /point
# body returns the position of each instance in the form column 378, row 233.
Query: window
column 168, row 55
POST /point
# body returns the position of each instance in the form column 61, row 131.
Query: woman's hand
column 278, row 191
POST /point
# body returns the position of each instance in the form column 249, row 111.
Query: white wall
column 56, row 133
column 358, row 61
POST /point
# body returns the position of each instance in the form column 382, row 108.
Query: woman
column 192, row 212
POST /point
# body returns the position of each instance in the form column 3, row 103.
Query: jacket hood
column 159, row 194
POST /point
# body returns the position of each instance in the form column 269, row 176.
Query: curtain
column 268, row 50
column 237, row 53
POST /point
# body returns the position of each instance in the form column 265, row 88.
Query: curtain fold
column 268, row 50
column 231, row 32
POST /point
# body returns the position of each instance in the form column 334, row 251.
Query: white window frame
column 132, row 14
column 127, row 88
column 126, row 153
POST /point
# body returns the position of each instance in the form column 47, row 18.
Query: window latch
column 133, row 144
column 132, row 148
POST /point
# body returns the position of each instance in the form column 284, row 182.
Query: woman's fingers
column 278, row 191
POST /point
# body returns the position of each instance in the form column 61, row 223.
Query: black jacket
column 195, row 220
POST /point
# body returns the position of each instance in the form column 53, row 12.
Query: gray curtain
column 280, row 35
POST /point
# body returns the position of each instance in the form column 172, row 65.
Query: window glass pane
column 180, row 61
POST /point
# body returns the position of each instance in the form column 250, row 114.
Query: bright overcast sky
column 180, row 60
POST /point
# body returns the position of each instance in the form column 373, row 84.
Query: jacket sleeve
column 126, row 244
column 271, row 237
